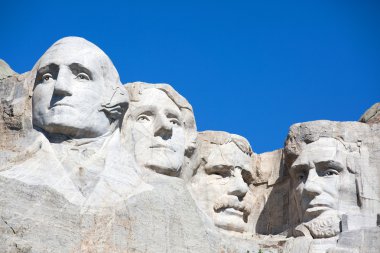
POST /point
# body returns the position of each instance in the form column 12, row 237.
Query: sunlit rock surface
column 90, row 165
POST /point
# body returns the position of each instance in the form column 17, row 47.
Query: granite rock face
column 372, row 115
column 90, row 165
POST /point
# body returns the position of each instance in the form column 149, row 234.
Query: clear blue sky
column 248, row 67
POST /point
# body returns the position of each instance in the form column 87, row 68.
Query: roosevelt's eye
column 46, row 77
column 83, row 76
column 143, row 118
column 220, row 171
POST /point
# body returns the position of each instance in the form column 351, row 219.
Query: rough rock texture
column 372, row 115
column 5, row 70
column 124, row 170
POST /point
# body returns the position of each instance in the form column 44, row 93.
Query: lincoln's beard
column 325, row 225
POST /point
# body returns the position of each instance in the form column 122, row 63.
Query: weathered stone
column 372, row 115
column 90, row 165
column 5, row 70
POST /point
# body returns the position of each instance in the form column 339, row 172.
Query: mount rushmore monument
column 88, row 164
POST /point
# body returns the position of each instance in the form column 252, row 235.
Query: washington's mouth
column 163, row 147
column 59, row 105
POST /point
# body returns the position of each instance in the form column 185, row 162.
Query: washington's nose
column 312, row 185
column 237, row 185
column 63, row 86
column 163, row 127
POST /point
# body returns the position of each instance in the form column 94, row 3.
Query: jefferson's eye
column 46, row 77
column 83, row 76
column 143, row 118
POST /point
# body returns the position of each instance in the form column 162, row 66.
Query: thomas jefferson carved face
column 322, row 185
column 69, row 90
column 158, row 134
column 219, row 187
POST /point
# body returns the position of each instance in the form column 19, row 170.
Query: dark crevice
column 14, row 232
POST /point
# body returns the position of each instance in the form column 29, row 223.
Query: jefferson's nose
column 63, row 85
column 237, row 185
column 163, row 127
column 312, row 185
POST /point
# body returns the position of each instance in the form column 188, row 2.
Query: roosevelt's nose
column 163, row 127
column 237, row 185
column 312, row 186
column 63, row 83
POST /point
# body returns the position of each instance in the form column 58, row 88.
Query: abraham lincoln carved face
column 322, row 186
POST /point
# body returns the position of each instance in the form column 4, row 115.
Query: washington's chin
column 231, row 220
column 65, row 120
column 73, row 130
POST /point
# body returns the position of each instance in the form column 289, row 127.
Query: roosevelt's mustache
column 232, row 202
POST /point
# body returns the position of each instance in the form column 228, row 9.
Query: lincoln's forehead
column 325, row 149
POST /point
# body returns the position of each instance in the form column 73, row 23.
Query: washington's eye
column 83, row 76
column 46, row 77
column 143, row 118
column 175, row 122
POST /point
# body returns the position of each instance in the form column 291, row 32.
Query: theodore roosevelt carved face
column 75, row 83
column 323, row 186
column 220, row 184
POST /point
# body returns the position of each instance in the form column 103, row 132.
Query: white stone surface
column 159, row 128
column 220, row 183
column 90, row 165
column 334, row 169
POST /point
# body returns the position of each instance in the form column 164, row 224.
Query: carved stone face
column 68, row 92
column 219, row 187
column 158, row 133
column 321, row 181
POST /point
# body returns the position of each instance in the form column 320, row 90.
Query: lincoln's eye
column 301, row 176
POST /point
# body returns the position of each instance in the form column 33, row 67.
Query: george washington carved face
column 71, row 87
